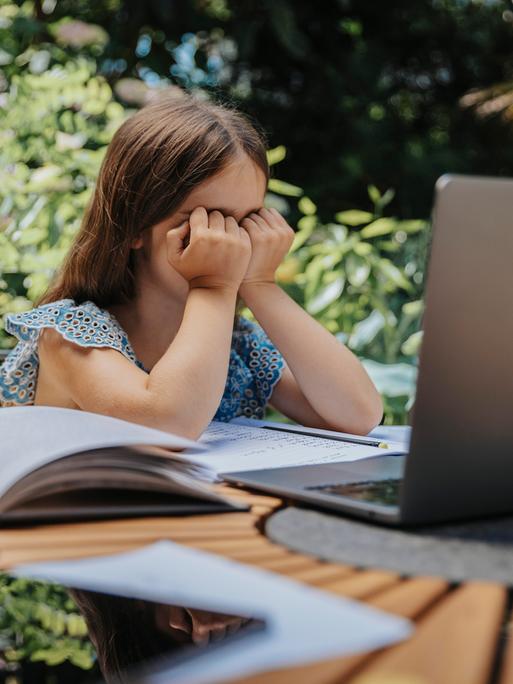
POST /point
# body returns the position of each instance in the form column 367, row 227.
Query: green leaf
column 354, row 217
column 413, row 309
column 76, row 625
column 82, row 659
column 5, row 58
column 33, row 213
column 313, row 274
column 357, row 269
column 51, row 656
column 306, row 227
column 411, row 226
column 365, row 331
column 307, row 223
column 283, row 188
column 306, row 206
column 362, row 248
column 411, row 346
column 326, row 296
column 393, row 274
column 394, row 379
column 381, row 226
column 338, row 232
column 386, row 198
column 276, row 155
column 32, row 236
column 374, row 193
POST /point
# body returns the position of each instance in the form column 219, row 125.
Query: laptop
column 460, row 457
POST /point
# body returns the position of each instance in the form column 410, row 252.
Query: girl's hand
column 201, row 626
column 218, row 252
column 271, row 238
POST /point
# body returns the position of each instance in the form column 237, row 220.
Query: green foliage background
column 39, row 622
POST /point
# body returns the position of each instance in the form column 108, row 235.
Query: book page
column 111, row 469
column 31, row 436
column 233, row 447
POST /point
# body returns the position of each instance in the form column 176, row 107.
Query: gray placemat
column 474, row 550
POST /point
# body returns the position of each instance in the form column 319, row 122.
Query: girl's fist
column 218, row 250
column 271, row 238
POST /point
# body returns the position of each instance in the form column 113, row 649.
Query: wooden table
column 461, row 632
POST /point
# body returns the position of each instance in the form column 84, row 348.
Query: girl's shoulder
column 69, row 318
column 85, row 324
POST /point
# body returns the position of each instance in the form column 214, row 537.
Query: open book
column 58, row 463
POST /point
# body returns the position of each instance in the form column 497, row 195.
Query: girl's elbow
column 361, row 424
column 366, row 417
column 375, row 414
column 372, row 414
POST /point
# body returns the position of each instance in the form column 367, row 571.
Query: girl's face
column 237, row 190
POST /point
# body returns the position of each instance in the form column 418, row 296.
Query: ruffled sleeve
column 255, row 368
column 84, row 324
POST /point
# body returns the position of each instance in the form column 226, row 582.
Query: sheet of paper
column 235, row 447
column 396, row 436
column 35, row 435
column 305, row 623
column 400, row 434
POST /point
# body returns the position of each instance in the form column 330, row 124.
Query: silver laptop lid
column 461, row 455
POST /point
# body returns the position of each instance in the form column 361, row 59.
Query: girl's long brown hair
column 123, row 632
column 153, row 162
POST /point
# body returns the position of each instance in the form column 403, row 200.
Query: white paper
column 397, row 437
column 305, row 624
column 31, row 436
column 397, row 433
column 237, row 446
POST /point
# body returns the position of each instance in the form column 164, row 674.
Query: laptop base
column 368, row 488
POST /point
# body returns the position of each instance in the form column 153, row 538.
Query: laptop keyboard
column 383, row 492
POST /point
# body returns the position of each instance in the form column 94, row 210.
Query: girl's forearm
column 187, row 383
column 329, row 375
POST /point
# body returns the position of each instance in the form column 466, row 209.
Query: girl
column 141, row 322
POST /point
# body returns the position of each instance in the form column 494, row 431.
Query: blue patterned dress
column 255, row 363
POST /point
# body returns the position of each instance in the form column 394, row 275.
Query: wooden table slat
column 454, row 642
column 291, row 562
column 409, row 598
column 257, row 556
column 321, row 574
column 13, row 557
column 145, row 536
column 362, row 584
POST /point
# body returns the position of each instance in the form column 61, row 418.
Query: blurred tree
column 359, row 93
